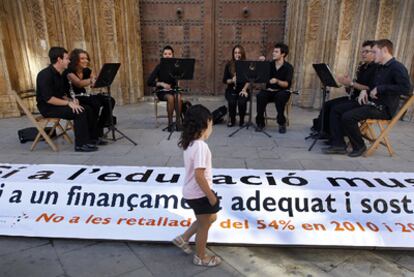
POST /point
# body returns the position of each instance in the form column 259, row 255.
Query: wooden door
column 256, row 25
column 207, row 30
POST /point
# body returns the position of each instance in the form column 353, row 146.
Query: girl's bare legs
column 204, row 222
column 190, row 231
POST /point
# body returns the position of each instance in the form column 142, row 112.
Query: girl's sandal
column 214, row 261
column 181, row 243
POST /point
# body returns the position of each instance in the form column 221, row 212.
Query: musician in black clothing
column 52, row 100
column 364, row 79
column 379, row 102
column 81, row 76
column 281, row 74
column 236, row 92
column 164, row 87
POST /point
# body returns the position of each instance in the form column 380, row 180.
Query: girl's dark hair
column 232, row 62
column 195, row 122
column 74, row 58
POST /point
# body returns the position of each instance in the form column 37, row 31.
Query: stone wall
column 107, row 29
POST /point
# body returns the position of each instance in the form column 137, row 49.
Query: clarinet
column 352, row 90
column 71, row 91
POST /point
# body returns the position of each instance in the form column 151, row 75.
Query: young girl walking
column 197, row 192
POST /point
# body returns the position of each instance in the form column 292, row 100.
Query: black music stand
column 104, row 80
column 177, row 69
column 253, row 72
column 327, row 80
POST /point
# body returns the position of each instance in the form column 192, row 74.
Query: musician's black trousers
column 81, row 121
column 280, row 98
column 326, row 114
column 344, row 120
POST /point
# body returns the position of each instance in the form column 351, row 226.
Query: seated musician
column 52, row 100
column 380, row 101
column 364, row 79
column 277, row 89
column 81, row 76
column 236, row 92
column 164, row 87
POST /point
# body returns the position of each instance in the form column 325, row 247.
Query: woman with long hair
column 81, row 76
column 237, row 93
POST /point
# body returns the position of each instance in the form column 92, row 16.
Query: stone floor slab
column 39, row 261
column 102, row 259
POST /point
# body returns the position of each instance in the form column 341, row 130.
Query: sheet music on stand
column 328, row 80
column 176, row 69
column 325, row 75
column 104, row 80
column 252, row 72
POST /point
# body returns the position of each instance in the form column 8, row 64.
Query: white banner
column 275, row 207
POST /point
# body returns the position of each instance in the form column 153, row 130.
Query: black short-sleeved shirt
column 284, row 73
column 49, row 82
column 156, row 77
column 86, row 74
column 228, row 75
column 365, row 76
column 391, row 80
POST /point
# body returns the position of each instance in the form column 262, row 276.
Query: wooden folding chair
column 288, row 109
column 385, row 126
column 157, row 115
column 41, row 123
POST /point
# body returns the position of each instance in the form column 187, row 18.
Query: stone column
column 8, row 107
column 332, row 31
column 109, row 30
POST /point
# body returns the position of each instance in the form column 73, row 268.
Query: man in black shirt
column 53, row 102
column 379, row 102
column 364, row 79
column 281, row 75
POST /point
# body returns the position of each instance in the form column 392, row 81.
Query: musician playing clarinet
column 365, row 74
column 81, row 76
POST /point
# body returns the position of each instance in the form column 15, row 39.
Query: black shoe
column 170, row 128
column 327, row 142
column 282, row 129
column 92, row 146
column 241, row 123
column 334, row 150
column 259, row 128
column 86, row 148
column 101, row 142
column 98, row 141
column 357, row 152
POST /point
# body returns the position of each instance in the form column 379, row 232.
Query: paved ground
column 62, row 257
